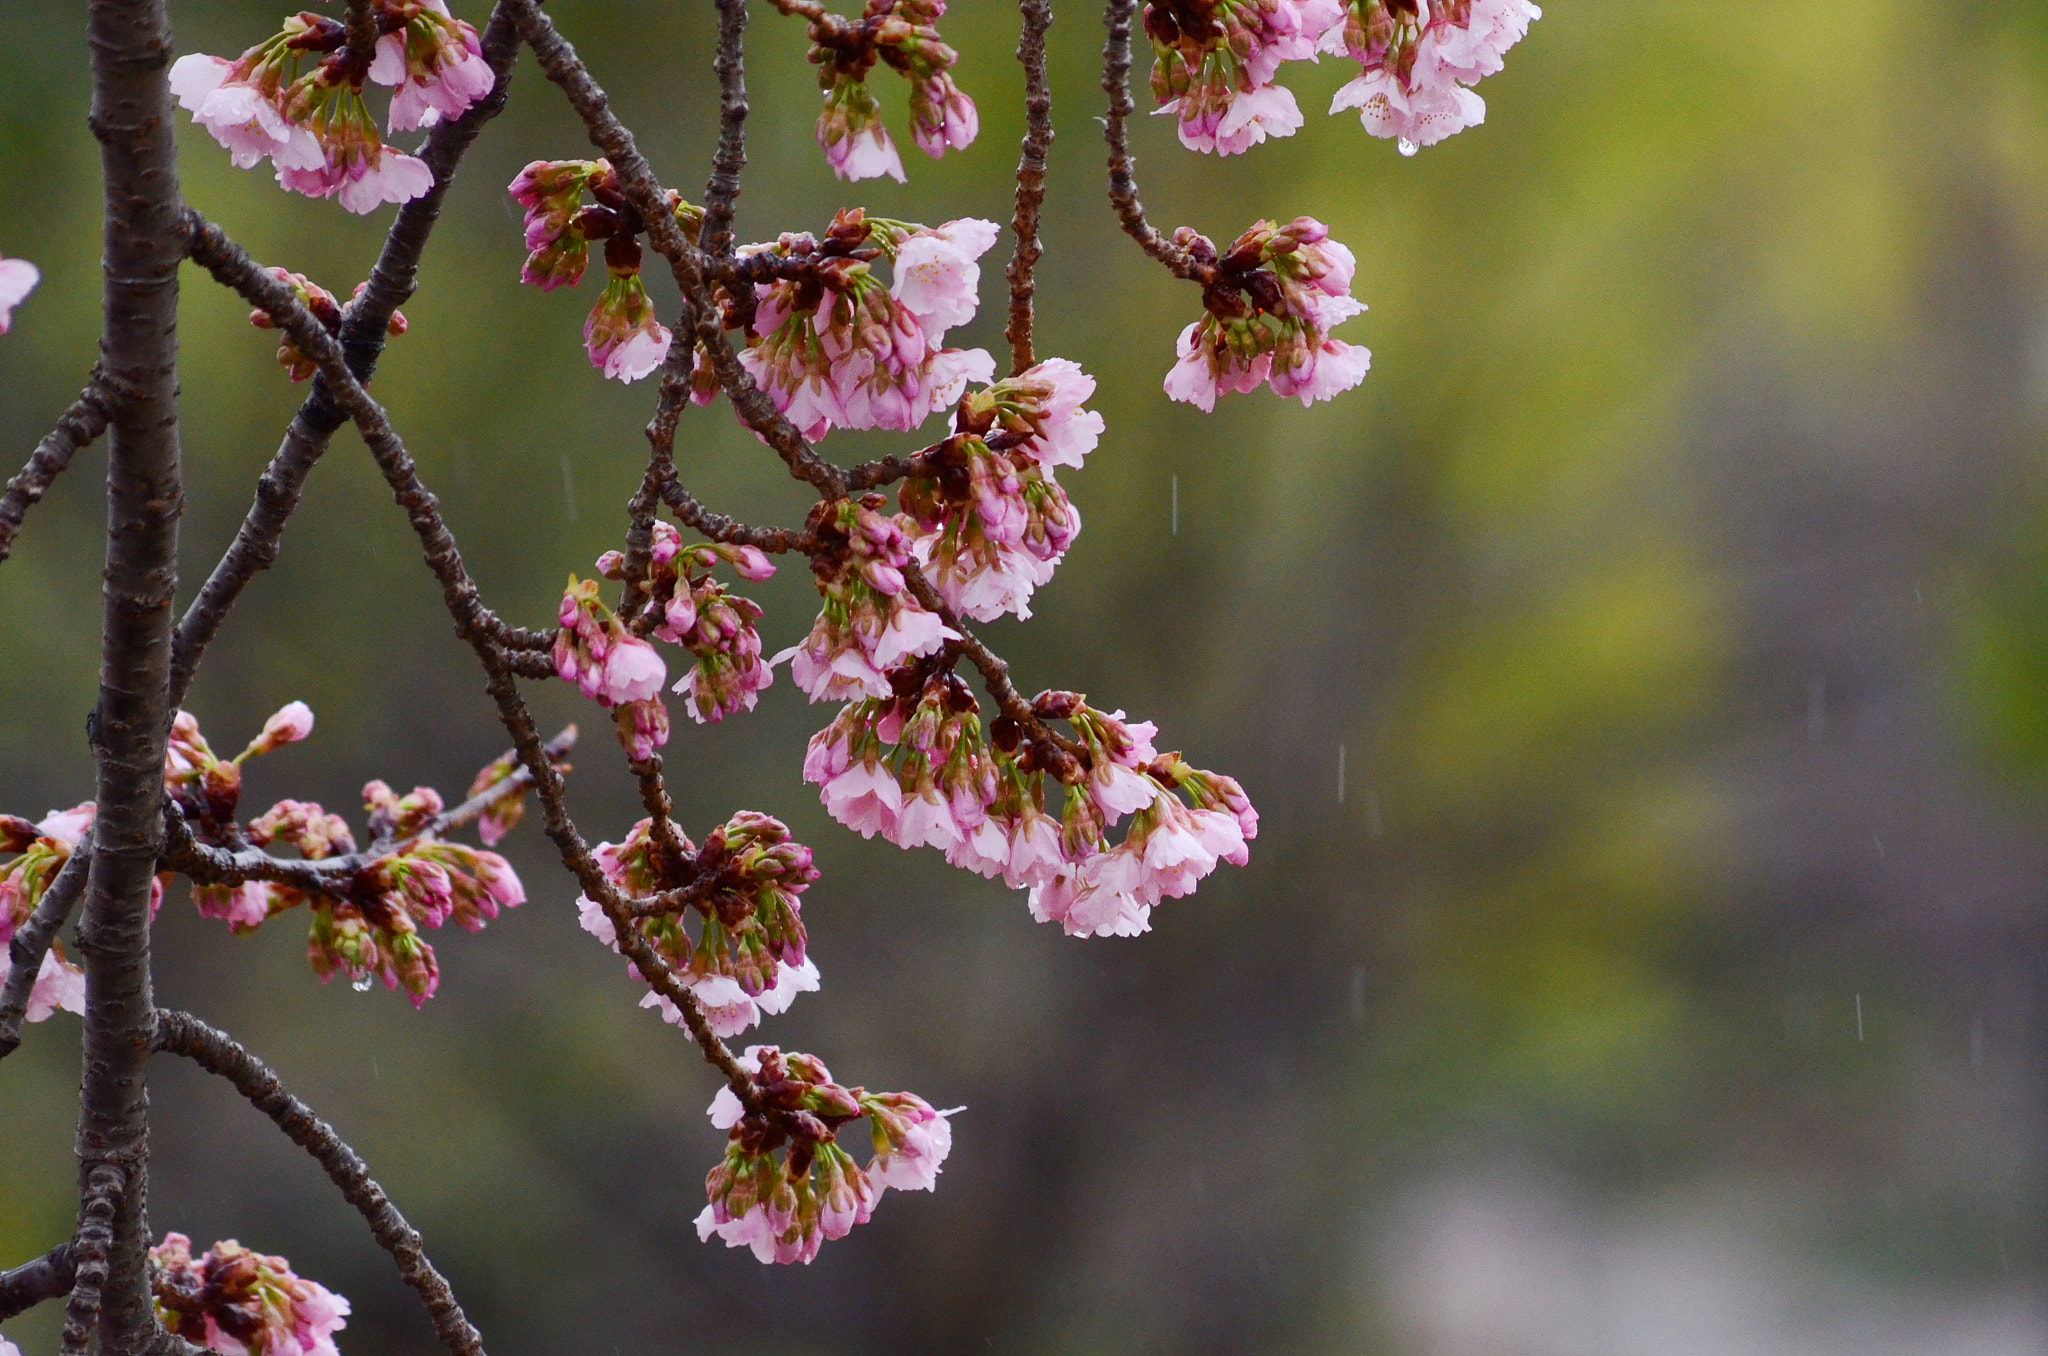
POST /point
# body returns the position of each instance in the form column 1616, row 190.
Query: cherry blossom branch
column 724, row 189
column 37, row 1282
column 1038, row 136
column 105, row 1184
column 646, row 501
column 32, row 942
column 180, row 1033
column 559, row 62
column 231, row 266
column 1123, row 184
column 719, row 527
column 392, row 280
column 995, row 672
column 76, row 429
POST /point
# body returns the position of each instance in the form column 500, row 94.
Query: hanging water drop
column 1406, row 147
column 361, row 984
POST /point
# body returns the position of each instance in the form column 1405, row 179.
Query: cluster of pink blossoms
column 834, row 347
column 786, row 1209
column 320, row 303
column 748, row 957
column 1420, row 58
column 1276, row 296
column 18, row 278
column 371, row 929
column 1217, row 62
column 900, row 35
column 698, row 613
column 685, row 606
column 622, row 336
column 43, row 849
column 870, row 623
column 991, row 521
column 242, row 1303
column 313, row 125
column 917, row 769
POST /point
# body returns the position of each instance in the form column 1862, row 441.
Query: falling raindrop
column 361, row 984
column 568, row 488
column 1176, row 506
column 1406, row 147
column 1340, row 774
column 1859, row 1019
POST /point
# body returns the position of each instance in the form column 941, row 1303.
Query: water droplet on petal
column 1406, row 147
column 361, row 984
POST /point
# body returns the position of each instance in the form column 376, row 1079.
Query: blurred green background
column 1661, row 973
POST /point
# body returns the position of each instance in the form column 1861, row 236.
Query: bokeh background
column 1643, row 677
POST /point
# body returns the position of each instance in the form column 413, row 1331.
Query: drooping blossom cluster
column 749, row 953
column 1419, row 59
column 1275, row 297
column 835, row 347
column 786, row 1208
column 918, row 769
column 698, row 613
column 42, row 848
column 368, row 926
column 18, row 278
column 313, row 124
column 1216, row 61
column 901, row 35
column 320, row 303
column 990, row 520
column 242, row 1303
column 870, row 623
column 622, row 336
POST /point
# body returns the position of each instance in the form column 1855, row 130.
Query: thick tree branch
column 1123, row 184
column 1030, row 180
column 724, row 189
column 32, row 942
column 132, row 113
column 76, row 429
column 46, row 1278
column 180, row 1033
column 363, row 332
column 105, row 1185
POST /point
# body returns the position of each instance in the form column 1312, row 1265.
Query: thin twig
column 719, row 527
column 32, row 942
column 364, row 324
column 38, row 1282
column 1030, row 179
column 76, row 429
column 1123, row 184
column 646, row 501
column 724, row 189
column 180, row 1033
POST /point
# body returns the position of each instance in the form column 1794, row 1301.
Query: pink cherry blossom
column 912, row 1140
column 942, row 117
column 937, row 278
column 437, row 65
column 865, row 798
column 59, row 986
column 288, row 725
column 239, row 102
column 18, row 277
column 865, row 154
column 624, row 339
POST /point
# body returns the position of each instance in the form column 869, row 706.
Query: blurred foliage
column 1670, row 597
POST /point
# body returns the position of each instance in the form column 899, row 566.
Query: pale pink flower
column 362, row 182
column 242, row 907
column 1419, row 112
column 67, row 827
column 18, row 277
column 243, row 117
column 937, row 278
column 59, row 986
column 624, row 339
column 633, row 671
column 864, row 154
column 911, row 1140
column 1051, row 395
column 865, row 798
